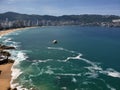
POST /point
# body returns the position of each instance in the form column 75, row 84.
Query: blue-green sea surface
column 85, row 58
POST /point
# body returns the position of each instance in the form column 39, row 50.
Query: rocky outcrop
column 3, row 61
column 4, row 55
column 2, row 47
column 10, row 61
column 12, row 89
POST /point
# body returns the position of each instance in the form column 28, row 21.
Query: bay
column 85, row 58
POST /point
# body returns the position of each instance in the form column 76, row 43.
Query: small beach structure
column 54, row 41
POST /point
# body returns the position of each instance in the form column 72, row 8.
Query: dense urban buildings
column 16, row 20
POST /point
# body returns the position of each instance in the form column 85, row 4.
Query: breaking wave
column 18, row 56
column 94, row 69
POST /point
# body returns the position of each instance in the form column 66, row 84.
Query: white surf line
column 16, row 72
column 41, row 61
column 111, row 72
column 17, row 56
column 67, row 74
column 108, row 86
column 77, row 57
column 60, row 48
column 42, row 71
column 93, row 66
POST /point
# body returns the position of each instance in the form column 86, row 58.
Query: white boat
column 54, row 41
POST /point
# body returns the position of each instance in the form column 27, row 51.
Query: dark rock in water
column 10, row 48
column 4, row 57
column 12, row 89
column 15, row 89
column 10, row 61
column 6, row 47
column 5, row 61
column 5, row 53
column 55, row 41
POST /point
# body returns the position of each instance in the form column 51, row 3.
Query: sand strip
column 4, row 32
column 5, row 76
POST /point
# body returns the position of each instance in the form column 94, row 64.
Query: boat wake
column 94, row 67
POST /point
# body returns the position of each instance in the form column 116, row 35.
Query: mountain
column 23, row 20
column 17, row 16
column 81, row 18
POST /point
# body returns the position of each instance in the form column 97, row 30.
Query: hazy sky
column 61, row 7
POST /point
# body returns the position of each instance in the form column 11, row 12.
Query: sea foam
column 111, row 72
column 17, row 55
column 94, row 68
column 16, row 72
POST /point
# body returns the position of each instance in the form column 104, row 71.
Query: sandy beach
column 4, row 32
column 5, row 76
column 5, row 69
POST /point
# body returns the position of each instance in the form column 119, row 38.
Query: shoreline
column 4, row 32
column 5, row 69
column 5, row 76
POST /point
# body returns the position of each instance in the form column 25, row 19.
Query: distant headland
column 10, row 20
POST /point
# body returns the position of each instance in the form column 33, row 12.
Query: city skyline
column 61, row 7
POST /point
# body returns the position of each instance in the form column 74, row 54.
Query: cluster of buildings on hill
column 6, row 24
column 114, row 23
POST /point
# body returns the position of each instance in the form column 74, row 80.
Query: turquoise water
column 85, row 58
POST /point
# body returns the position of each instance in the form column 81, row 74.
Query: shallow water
column 85, row 58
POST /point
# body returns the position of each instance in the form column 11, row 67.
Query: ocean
column 85, row 58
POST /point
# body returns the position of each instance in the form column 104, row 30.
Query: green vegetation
column 16, row 20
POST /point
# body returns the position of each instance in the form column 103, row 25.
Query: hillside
column 23, row 20
column 81, row 18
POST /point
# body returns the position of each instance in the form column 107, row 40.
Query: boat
column 54, row 41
